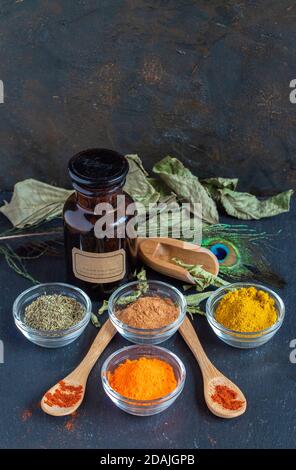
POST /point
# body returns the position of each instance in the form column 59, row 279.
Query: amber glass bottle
column 97, row 262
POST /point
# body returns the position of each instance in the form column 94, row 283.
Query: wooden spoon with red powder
column 223, row 397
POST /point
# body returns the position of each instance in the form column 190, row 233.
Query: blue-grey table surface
column 265, row 374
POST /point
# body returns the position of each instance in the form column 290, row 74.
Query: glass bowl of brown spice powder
column 52, row 315
column 147, row 312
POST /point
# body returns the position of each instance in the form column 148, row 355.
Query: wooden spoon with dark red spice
column 223, row 397
column 67, row 395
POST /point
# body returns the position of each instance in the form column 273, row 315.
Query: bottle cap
column 96, row 168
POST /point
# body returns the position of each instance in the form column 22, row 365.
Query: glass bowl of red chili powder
column 147, row 312
column 143, row 380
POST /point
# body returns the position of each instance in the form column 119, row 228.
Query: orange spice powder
column 64, row 396
column 143, row 379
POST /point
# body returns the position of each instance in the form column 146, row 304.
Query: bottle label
column 99, row 268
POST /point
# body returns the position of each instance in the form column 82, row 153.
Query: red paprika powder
column 226, row 397
column 64, row 395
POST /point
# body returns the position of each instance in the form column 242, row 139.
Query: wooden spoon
column 80, row 375
column 211, row 376
column 157, row 253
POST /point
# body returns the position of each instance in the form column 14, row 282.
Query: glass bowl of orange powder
column 143, row 380
column 147, row 312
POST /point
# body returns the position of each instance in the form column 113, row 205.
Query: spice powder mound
column 144, row 378
column 149, row 312
column 227, row 398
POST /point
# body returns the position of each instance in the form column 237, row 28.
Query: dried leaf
column 213, row 184
column 34, row 202
column 186, row 186
column 246, row 206
column 137, row 184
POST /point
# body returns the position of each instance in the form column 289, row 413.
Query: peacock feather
column 241, row 252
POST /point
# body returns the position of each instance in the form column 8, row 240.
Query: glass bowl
column 142, row 335
column 56, row 338
column 143, row 407
column 237, row 339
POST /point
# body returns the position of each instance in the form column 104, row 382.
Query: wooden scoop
column 211, row 376
column 157, row 253
column 80, row 375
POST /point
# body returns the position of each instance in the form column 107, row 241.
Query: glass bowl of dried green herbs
column 52, row 315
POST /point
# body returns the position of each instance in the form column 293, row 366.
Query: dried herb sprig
column 194, row 300
column 141, row 276
column 33, row 249
column 202, row 278
column 15, row 262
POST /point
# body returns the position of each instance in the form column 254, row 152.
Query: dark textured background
column 207, row 81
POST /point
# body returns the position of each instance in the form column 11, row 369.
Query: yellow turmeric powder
column 143, row 379
column 246, row 310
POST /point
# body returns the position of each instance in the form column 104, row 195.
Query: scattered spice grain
column 53, row 312
column 70, row 424
column 226, row 397
column 27, row 414
column 149, row 312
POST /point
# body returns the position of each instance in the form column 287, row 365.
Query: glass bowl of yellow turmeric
column 245, row 315
column 143, row 380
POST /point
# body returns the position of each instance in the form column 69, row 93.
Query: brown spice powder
column 149, row 312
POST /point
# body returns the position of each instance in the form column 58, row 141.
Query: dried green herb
column 53, row 312
column 202, row 278
column 194, row 300
column 103, row 307
column 141, row 276
column 15, row 262
column 194, row 310
column 95, row 321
